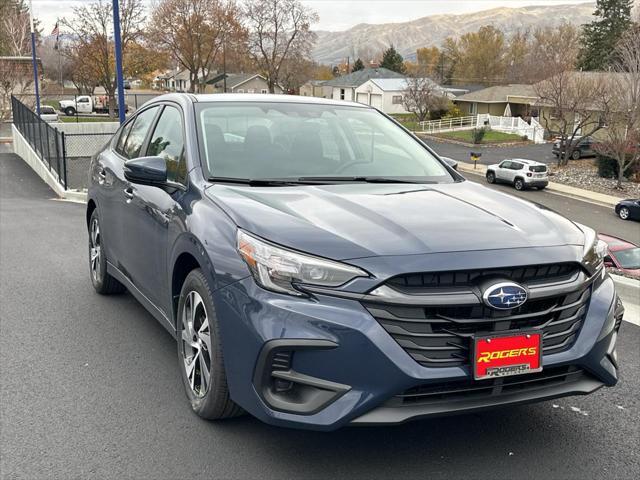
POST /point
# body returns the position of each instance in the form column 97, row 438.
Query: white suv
column 520, row 173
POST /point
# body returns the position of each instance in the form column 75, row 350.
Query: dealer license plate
column 509, row 354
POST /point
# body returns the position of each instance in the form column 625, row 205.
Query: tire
column 518, row 184
column 102, row 281
column 575, row 155
column 207, row 392
column 69, row 111
column 542, row 188
column 623, row 213
column 491, row 177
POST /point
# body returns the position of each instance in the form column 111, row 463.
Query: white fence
column 515, row 125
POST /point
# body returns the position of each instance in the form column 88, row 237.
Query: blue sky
column 337, row 14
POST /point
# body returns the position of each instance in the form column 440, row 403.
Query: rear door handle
column 129, row 193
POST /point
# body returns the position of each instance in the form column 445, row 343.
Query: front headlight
column 594, row 249
column 278, row 269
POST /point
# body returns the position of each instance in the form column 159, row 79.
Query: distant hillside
column 333, row 47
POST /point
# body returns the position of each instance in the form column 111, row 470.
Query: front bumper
column 348, row 370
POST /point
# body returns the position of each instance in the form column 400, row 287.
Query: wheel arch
column 91, row 206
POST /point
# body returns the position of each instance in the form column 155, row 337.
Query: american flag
column 56, row 32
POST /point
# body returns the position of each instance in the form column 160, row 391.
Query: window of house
column 396, row 99
column 473, row 109
column 139, row 132
column 168, row 142
column 342, row 94
column 264, row 90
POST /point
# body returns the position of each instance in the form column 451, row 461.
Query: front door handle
column 129, row 193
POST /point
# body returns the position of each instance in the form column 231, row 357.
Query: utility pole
column 33, row 58
column 118, row 44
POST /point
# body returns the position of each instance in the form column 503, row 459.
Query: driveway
column 91, row 389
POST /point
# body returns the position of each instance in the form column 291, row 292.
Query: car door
column 151, row 210
column 504, row 171
column 516, row 170
column 83, row 104
column 117, row 221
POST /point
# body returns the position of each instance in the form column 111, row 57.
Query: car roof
column 253, row 98
column 525, row 161
column 615, row 243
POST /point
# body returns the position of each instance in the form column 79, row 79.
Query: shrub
column 477, row 134
column 607, row 167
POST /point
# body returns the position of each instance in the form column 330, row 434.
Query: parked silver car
column 48, row 113
column 520, row 173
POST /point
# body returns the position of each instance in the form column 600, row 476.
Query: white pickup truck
column 87, row 104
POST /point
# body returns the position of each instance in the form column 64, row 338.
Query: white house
column 343, row 88
column 387, row 94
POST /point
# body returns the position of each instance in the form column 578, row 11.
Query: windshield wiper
column 255, row 182
column 361, row 179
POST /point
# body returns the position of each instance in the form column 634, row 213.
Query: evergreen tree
column 392, row 60
column 600, row 37
column 358, row 65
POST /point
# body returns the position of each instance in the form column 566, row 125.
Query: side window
column 124, row 133
column 138, row 133
column 168, row 142
column 516, row 166
column 505, row 164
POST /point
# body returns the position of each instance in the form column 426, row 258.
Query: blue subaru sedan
column 320, row 266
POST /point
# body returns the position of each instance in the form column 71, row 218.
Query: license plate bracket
column 502, row 355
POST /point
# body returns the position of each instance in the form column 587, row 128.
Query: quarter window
column 124, row 133
column 138, row 133
column 168, row 142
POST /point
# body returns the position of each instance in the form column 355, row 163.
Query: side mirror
column 146, row 171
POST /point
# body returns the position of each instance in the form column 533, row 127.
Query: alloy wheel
column 519, row 185
column 624, row 213
column 95, row 250
column 196, row 343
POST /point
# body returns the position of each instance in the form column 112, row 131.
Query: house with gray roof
column 344, row 88
column 241, row 83
column 501, row 100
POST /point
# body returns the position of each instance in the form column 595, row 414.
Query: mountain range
column 367, row 40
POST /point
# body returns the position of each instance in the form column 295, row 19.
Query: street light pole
column 33, row 58
column 118, row 45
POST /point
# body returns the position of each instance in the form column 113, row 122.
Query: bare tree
column 278, row 29
column 621, row 139
column 92, row 32
column 15, row 79
column 573, row 105
column 14, row 23
column 195, row 33
column 423, row 96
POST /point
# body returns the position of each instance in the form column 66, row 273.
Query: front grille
column 469, row 389
column 529, row 274
column 442, row 335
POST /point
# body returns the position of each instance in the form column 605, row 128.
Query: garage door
column 376, row 101
column 362, row 98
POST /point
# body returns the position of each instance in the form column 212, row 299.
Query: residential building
column 502, row 100
column 241, row 83
column 316, row 88
column 387, row 94
column 344, row 88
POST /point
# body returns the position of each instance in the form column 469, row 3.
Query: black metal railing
column 46, row 141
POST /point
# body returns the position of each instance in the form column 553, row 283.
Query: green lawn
column 491, row 136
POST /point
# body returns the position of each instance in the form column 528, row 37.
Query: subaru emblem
column 504, row 296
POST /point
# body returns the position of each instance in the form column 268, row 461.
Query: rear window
column 45, row 109
column 538, row 168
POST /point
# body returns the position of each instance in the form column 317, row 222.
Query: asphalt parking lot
column 540, row 153
column 91, row 389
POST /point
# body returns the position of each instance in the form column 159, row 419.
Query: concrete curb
column 22, row 148
column 556, row 188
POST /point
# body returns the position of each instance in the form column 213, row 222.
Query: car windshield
column 629, row 258
column 312, row 142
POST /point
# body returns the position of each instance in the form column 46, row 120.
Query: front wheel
column 69, row 111
column 518, row 184
column 576, row 155
column 491, row 177
column 200, row 351
column 624, row 213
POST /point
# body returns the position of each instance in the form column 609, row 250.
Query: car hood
column 361, row 220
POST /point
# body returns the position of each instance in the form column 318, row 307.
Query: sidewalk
column 557, row 188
